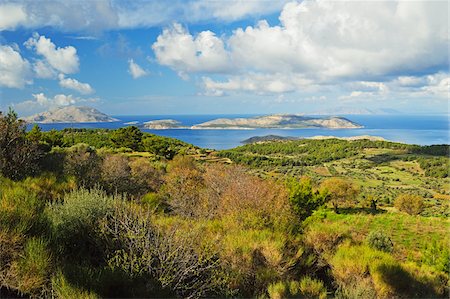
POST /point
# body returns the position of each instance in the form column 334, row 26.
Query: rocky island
column 163, row 124
column 279, row 121
column 70, row 114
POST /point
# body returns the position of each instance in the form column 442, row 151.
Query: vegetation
column 88, row 218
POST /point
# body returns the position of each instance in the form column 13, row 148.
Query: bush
column 75, row 223
column 277, row 290
column 31, row 272
column 82, row 162
column 312, row 288
column 62, row 289
column 307, row 287
column 411, row 204
column 378, row 240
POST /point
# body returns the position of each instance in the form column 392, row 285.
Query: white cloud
column 83, row 88
column 15, row 71
column 178, row 49
column 95, row 16
column 135, row 70
column 258, row 83
column 11, row 15
column 323, row 41
column 64, row 59
column 43, row 70
column 41, row 102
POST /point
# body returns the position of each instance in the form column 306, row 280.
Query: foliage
column 130, row 137
column 307, row 287
column 82, row 162
column 411, row 204
column 303, row 199
column 19, row 156
column 341, row 191
column 380, row 241
column 74, row 223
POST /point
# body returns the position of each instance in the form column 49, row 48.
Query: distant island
column 70, row 114
column 164, row 124
column 279, row 121
column 268, row 138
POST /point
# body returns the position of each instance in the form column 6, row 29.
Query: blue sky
column 224, row 57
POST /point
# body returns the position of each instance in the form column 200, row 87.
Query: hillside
column 70, row 114
column 279, row 121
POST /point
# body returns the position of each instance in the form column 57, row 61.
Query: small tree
column 82, row 162
column 130, row 137
column 341, row 191
column 19, row 156
column 411, row 204
column 116, row 174
column 304, row 200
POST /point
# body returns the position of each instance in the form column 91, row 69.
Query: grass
column 410, row 234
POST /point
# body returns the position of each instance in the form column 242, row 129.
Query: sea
column 411, row 129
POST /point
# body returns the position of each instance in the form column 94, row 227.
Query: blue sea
column 412, row 129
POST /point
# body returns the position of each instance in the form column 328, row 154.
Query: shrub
column 380, row 241
column 277, row 290
column 355, row 267
column 29, row 274
column 19, row 156
column 116, row 174
column 411, row 204
column 303, row 199
column 341, row 191
column 312, row 288
column 62, row 289
column 307, row 287
column 82, row 162
column 75, row 223
column 179, row 261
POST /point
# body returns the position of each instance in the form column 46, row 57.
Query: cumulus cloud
column 135, row 70
column 83, row 88
column 15, row 71
column 40, row 102
column 11, row 15
column 178, row 49
column 100, row 15
column 64, row 60
column 43, row 70
column 323, row 41
column 257, row 83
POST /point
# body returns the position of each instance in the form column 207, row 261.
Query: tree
column 303, row 199
column 35, row 134
column 130, row 137
column 116, row 174
column 411, row 204
column 19, row 156
column 341, row 191
column 82, row 162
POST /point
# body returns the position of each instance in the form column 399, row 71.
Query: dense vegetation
column 121, row 213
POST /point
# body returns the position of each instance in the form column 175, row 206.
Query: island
column 70, row 114
column 279, row 121
column 163, row 124
column 271, row 138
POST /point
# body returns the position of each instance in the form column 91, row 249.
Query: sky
column 135, row 57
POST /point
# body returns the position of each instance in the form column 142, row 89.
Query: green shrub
column 380, row 241
column 411, row 204
column 62, row 289
column 277, row 290
column 30, row 273
column 437, row 255
column 75, row 222
column 312, row 288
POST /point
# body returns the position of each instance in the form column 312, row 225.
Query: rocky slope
column 70, row 114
